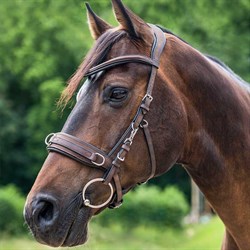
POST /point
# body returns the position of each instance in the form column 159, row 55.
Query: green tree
column 40, row 49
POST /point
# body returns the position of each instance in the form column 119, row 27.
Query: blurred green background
column 42, row 42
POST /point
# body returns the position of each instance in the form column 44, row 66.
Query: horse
column 149, row 101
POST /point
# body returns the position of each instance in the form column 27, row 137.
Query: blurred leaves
column 11, row 207
column 149, row 206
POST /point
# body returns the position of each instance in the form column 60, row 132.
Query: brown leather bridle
column 92, row 156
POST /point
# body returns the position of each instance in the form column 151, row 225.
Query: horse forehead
column 127, row 72
column 125, row 46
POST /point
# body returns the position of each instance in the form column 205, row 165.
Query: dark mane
column 95, row 55
column 171, row 33
column 225, row 67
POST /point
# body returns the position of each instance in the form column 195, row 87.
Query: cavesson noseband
column 92, row 156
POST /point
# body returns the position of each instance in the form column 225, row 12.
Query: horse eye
column 118, row 94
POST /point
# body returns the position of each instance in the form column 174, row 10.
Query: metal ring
column 48, row 137
column 87, row 201
column 144, row 123
column 99, row 164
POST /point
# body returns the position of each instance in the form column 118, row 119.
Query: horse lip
column 73, row 237
column 76, row 233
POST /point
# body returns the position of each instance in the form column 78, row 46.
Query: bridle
column 92, row 156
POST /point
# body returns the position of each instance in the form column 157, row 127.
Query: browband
column 122, row 60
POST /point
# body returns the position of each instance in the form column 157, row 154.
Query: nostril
column 45, row 212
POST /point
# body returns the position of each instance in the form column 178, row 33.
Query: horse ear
column 129, row 21
column 97, row 26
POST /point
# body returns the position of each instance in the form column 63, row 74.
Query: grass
column 196, row 237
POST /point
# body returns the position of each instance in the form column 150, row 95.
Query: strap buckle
column 48, row 138
column 148, row 96
column 115, row 205
column 144, row 123
column 146, row 101
column 101, row 163
column 119, row 157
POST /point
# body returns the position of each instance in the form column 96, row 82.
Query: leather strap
column 158, row 46
column 78, row 150
column 121, row 60
column 151, row 151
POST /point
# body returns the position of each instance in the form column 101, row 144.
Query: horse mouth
column 77, row 233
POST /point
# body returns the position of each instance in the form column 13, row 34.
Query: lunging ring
column 87, row 201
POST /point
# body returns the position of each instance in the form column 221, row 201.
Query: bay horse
column 149, row 101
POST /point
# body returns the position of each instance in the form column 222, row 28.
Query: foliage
column 43, row 42
column 37, row 38
column 11, row 207
column 149, row 206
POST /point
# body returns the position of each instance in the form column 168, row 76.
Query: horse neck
column 216, row 153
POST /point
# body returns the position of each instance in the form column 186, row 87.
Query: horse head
column 113, row 139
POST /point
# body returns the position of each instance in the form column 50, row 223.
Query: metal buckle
column 116, row 205
column 148, row 96
column 99, row 164
column 87, row 201
column 144, row 123
column 129, row 141
column 119, row 157
column 132, row 135
column 48, row 137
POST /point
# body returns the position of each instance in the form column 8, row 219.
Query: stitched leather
column 122, row 60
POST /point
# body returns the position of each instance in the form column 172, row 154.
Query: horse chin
column 78, row 231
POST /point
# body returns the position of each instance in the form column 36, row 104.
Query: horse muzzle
column 54, row 226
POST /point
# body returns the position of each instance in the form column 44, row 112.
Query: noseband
column 92, row 156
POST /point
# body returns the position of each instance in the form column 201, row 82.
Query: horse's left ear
column 97, row 25
column 129, row 21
